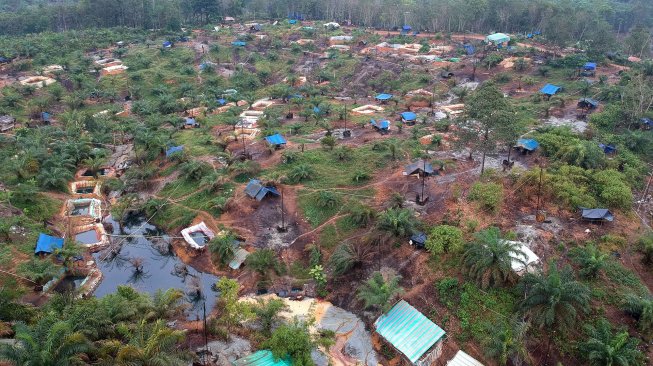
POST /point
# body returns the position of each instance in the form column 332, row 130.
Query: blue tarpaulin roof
column 167, row 44
column 550, row 89
column 45, row 116
column 239, row 43
column 292, row 21
column 418, row 239
column 408, row 330
column 608, row 149
column 48, row 244
column 222, row 101
column 262, row 358
column 590, row 66
column 275, row 139
column 408, row 116
column 4, row 59
column 528, row 144
column 384, row 125
column 256, row 189
column 383, row 96
column 190, row 121
column 316, row 110
column 647, row 121
column 529, row 35
column 174, row 149
column 469, row 49
column 596, row 214
column 406, row 28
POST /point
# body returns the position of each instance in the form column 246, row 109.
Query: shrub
column 611, row 188
column 445, row 239
column 488, row 195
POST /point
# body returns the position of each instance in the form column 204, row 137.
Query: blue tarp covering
column 167, row 44
column 256, row 189
column 45, row 116
column 174, row 149
column 647, row 121
column 596, row 214
column 418, row 239
column 292, row 21
column 48, row 244
column 383, row 96
column 408, row 116
column 529, row 35
column 382, row 125
column 590, row 66
column 550, row 89
column 408, row 330
column 239, row 43
column 222, row 101
column 3, row 59
column 537, row 33
column 608, row 149
column 316, row 110
column 406, row 28
column 190, row 121
column 469, row 49
column 275, row 139
column 528, row 144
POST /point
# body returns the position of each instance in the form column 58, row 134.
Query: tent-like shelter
column 383, row 97
column 596, row 214
column 173, row 150
column 408, row 117
column 257, row 190
column 497, row 39
column 550, row 89
column 275, row 140
column 527, row 144
column 420, row 167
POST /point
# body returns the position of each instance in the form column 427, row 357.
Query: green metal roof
column 498, row 37
column 408, row 330
column 262, row 358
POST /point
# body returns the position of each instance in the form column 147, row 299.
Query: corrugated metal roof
column 239, row 257
column 463, row 359
column 261, row 358
column 408, row 330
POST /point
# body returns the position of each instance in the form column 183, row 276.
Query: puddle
column 69, row 284
column 87, row 237
column 79, row 210
column 84, row 190
column 161, row 269
column 200, row 238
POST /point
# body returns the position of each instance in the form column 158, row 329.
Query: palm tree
column 554, row 299
column 222, row 246
column 55, row 178
column 49, row 342
column 362, row 215
column 508, row 343
column 262, row 261
column 267, row 313
column 591, row 260
column 167, row 304
column 39, row 270
column 348, row 255
column 300, row 172
column 641, row 308
column 327, row 199
column 398, row 222
column 489, row 258
column 378, row 292
column 148, row 345
column 604, row 348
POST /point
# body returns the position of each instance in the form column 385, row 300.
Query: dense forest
column 571, row 20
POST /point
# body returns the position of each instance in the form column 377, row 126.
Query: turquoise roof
column 408, row 330
column 497, row 38
column 261, row 358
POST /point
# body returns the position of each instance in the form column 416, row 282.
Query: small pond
column 161, row 269
column 84, row 190
column 69, row 284
column 87, row 237
column 79, row 210
column 200, row 238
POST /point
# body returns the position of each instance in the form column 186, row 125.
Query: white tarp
column 530, row 259
column 201, row 227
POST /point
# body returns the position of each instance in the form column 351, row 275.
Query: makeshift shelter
column 463, row 359
column 382, row 126
column 173, row 150
column 332, row 25
column 596, row 214
column 589, row 69
column 221, row 101
column 527, row 144
column 608, row 149
column 498, row 39
column 275, row 140
column 550, row 89
column 292, row 21
column 45, row 117
column 239, row 43
column 647, row 123
column 383, row 97
column 412, row 334
column 167, row 44
column 526, row 263
column 469, row 49
column 197, row 236
column 420, row 167
column 262, row 358
column 191, row 123
column 408, row 117
column 256, row 189
column 446, row 74
column 229, row 19
column 418, row 240
column 7, row 123
column 588, row 103
column 4, row 60
column 239, row 258
column 47, row 244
